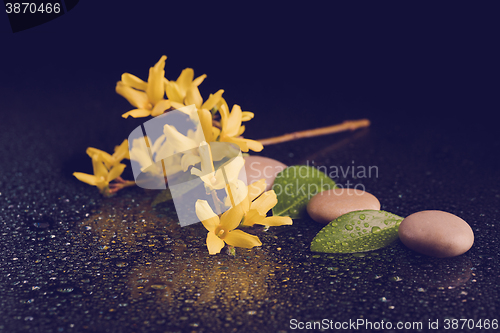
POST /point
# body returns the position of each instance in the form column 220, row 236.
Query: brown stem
column 119, row 184
column 216, row 202
column 216, row 124
column 346, row 125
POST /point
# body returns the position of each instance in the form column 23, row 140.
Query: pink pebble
column 326, row 206
column 258, row 167
column 436, row 233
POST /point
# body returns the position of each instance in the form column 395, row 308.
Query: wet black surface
column 75, row 262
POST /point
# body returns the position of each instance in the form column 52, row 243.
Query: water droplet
column 362, row 216
column 349, row 227
column 376, row 229
column 345, row 243
column 158, row 286
column 121, row 264
column 65, row 289
column 366, row 225
column 395, row 278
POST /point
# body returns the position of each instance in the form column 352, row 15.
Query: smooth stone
column 326, row 206
column 436, row 233
column 258, row 167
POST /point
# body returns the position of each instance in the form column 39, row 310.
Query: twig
column 346, row 125
column 119, row 184
column 216, row 124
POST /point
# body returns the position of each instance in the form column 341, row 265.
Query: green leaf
column 163, row 196
column 359, row 231
column 295, row 186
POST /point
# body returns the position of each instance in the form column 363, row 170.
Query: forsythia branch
column 346, row 125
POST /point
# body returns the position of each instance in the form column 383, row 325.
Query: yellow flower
column 178, row 90
column 120, row 153
column 257, row 205
column 221, row 230
column 211, row 132
column 147, row 97
column 185, row 91
column 102, row 176
column 232, row 128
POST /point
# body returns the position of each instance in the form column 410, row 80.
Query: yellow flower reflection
column 221, row 230
column 258, row 204
column 102, row 176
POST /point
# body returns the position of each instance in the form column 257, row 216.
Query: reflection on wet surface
column 161, row 275
column 129, row 264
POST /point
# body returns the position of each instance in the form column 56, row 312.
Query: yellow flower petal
column 265, row 202
column 246, row 116
column 206, row 124
column 223, row 111
column 212, row 100
column 188, row 160
column 231, row 218
column 161, row 107
column 240, row 238
column 232, row 170
column 241, row 130
column 137, row 98
column 254, row 145
column 214, row 243
column 244, row 144
column 237, row 141
column 141, row 156
column 179, row 141
column 156, row 89
column 99, row 168
column 184, row 80
column 207, row 162
column 193, row 96
column 274, row 221
column 199, row 80
column 255, row 189
column 252, row 217
column 86, row 178
column 115, row 172
column 137, row 113
column 206, row 215
column 233, row 122
column 121, row 152
column 134, row 82
column 215, row 133
column 239, row 194
column 174, row 93
column 102, row 155
column 177, row 105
